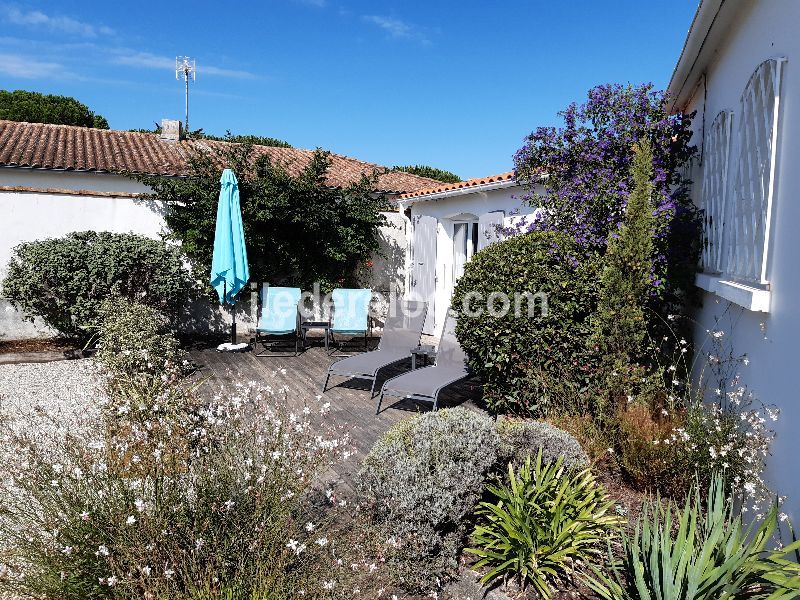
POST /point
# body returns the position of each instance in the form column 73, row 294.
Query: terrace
column 350, row 404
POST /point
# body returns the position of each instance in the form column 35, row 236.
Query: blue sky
column 453, row 84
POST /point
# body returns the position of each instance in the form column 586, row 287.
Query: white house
column 739, row 71
column 55, row 179
column 448, row 224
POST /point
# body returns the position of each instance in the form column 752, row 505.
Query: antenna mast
column 186, row 67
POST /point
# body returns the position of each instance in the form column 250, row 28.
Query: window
column 738, row 190
column 715, row 182
column 747, row 222
column 465, row 245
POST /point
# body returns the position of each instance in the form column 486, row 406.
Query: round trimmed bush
column 63, row 281
column 539, row 357
column 421, row 482
column 520, row 439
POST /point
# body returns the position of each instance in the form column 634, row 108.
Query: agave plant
column 713, row 555
column 544, row 523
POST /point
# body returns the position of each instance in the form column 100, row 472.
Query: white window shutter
column 715, row 191
column 423, row 263
column 747, row 228
column 488, row 223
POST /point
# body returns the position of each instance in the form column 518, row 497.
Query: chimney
column 171, row 130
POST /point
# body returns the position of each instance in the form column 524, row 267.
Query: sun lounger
column 425, row 384
column 401, row 333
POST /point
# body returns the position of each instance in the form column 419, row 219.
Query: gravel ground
column 52, row 398
column 65, row 389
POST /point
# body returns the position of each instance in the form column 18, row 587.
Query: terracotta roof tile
column 446, row 187
column 65, row 147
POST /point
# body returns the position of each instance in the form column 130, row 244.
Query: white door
column 423, row 264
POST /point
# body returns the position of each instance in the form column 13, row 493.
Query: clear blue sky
column 453, row 84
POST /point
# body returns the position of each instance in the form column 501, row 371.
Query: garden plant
column 543, row 525
column 64, row 281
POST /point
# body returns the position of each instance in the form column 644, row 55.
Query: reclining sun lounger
column 425, row 384
column 401, row 333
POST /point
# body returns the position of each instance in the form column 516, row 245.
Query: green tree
column 429, row 172
column 298, row 229
column 33, row 107
column 627, row 278
column 257, row 140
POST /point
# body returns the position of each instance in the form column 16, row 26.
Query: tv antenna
column 186, row 66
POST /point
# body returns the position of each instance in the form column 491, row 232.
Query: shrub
column 520, row 439
column 589, row 180
column 530, row 363
column 542, row 525
column 421, row 482
column 136, row 341
column 645, row 453
column 219, row 508
column 63, row 281
column 711, row 556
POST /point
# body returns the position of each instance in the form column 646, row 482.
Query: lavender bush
column 420, row 482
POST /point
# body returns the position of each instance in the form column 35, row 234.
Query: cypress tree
column 627, row 277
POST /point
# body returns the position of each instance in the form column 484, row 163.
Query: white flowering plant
column 137, row 344
column 684, row 430
column 212, row 501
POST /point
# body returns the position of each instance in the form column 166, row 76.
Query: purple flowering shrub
column 585, row 169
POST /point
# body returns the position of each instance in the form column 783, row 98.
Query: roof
column 71, row 148
column 490, row 182
column 712, row 22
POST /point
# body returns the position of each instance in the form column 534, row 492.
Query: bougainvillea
column 583, row 169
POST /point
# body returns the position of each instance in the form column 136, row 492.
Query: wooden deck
column 351, row 406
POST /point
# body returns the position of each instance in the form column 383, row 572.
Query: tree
column 589, row 181
column 257, row 140
column 199, row 134
column 429, row 172
column 298, row 229
column 34, row 107
column 626, row 283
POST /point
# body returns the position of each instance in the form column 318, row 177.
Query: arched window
column 749, row 208
column 715, row 193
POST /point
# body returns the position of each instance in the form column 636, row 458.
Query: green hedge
column 63, row 281
column 530, row 364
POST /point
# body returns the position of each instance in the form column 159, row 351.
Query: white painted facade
column 747, row 181
column 447, row 228
column 28, row 216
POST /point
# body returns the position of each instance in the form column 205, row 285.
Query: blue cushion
column 279, row 310
column 350, row 310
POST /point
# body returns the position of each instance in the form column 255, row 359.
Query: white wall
column 765, row 29
column 454, row 207
column 28, row 216
column 389, row 267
